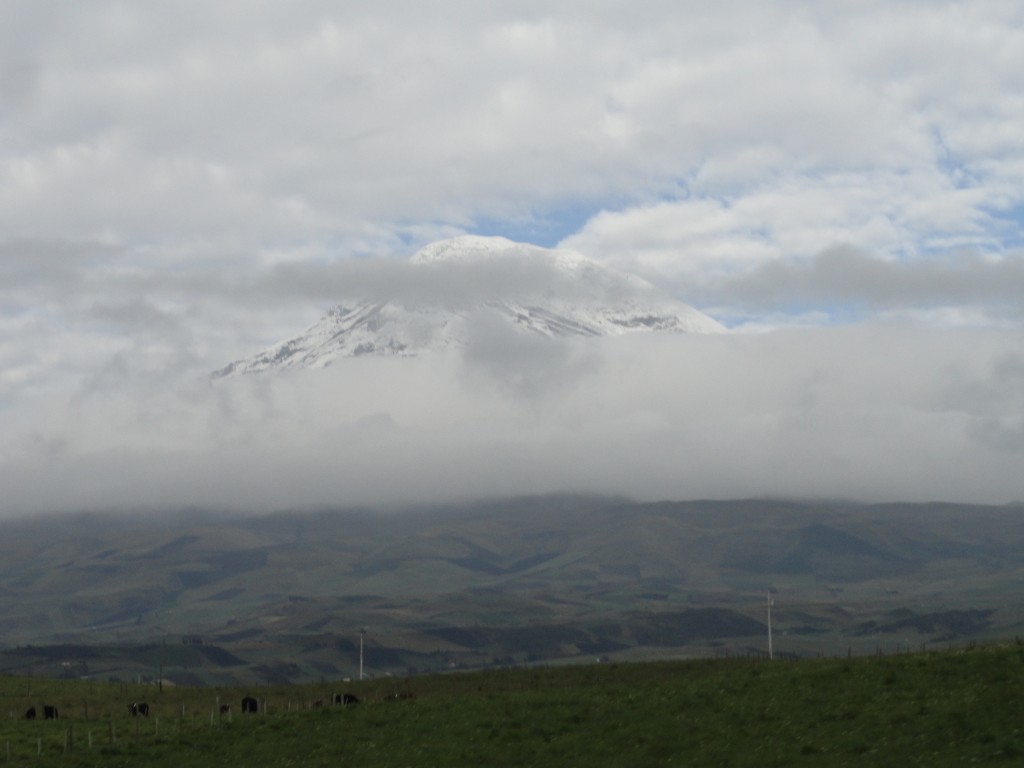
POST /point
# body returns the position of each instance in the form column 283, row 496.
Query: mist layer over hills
column 855, row 413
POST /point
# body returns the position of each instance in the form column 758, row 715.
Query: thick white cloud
column 242, row 123
column 893, row 215
column 870, row 413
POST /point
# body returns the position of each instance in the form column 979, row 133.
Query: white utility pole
column 362, row 634
column 770, row 654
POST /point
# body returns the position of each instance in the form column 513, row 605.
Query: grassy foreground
column 936, row 709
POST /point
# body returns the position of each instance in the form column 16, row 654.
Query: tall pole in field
column 770, row 654
column 362, row 634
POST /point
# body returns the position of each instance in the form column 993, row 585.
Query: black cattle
column 139, row 708
column 49, row 713
column 249, row 704
column 345, row 699
column 30, row 713
column 225, row 709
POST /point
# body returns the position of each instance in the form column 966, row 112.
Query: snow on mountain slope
column 552, row 293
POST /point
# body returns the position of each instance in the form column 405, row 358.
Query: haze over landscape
column 188, row 185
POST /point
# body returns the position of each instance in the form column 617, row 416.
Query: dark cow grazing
column 30, row 713
column 249, row 704
column 139, row 709
column 49, row 713
column 225, row 709
column 345, row 699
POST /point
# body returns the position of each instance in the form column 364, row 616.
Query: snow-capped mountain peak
column 550, row 292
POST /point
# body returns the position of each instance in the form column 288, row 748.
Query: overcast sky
column 183, row 184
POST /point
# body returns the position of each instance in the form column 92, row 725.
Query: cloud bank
column 865, row 413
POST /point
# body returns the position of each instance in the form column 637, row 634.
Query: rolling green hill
column 204, row 598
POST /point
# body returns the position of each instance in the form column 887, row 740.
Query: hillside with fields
column 200, row 598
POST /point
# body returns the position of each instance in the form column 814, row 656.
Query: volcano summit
column 456, row 285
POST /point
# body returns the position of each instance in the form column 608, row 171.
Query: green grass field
column 934, row 709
